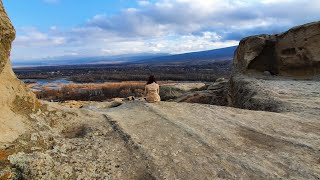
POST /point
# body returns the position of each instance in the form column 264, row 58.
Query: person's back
column 152, row 90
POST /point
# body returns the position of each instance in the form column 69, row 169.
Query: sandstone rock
column 7, row 34
column 118, row 99
column 215, row 94
column 82, row 145
column 201, row 97
column 246, row 93
column 294, row 53
column 252, row 49
column 275, row 95
column 15, row 100
column 73, row 104
column 298, row 51
column 196, row 141
column 102, row 105
column 174, row 90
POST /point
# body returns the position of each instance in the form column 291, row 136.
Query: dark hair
column 151, row 80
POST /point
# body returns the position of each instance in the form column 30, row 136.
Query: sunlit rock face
column 294, row 53
column 7, row 34
column 16, row 101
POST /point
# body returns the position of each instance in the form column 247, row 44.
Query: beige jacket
column 152, row 92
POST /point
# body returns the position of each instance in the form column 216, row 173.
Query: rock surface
column 174, row 90
column 293, row 53
column 215, row 94
column 274, row 94
column 191, row 141
column 168, row 140
column 69, row 143
column 15, row 99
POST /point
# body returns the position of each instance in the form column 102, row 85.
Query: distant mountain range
column 70, row 60
column 193, row 57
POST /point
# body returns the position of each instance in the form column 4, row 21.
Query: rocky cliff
column 293, row 53
column 15, row 99
column 264, row 63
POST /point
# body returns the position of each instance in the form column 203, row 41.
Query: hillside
column 193, row 57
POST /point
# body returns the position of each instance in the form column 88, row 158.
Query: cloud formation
column 171, row 26
column 191, row 16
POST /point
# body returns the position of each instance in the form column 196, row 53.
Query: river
column 37, row 84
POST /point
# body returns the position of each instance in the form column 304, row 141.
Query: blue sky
column 68, row 28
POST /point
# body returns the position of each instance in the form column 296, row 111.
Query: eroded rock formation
column 15, row 98
column 293, row 53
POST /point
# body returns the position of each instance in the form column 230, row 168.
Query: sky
column 47, row 29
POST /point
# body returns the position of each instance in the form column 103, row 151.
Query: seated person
column 152, row 90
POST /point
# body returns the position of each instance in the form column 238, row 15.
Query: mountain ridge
column 146, row 58
column 215, row 54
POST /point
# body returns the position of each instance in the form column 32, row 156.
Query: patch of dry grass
column 93, row 92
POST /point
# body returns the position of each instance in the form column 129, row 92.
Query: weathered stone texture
column 7, row 35
column 16, row 101
column 294, row 53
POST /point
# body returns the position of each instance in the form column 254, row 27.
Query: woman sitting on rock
column 152, row 90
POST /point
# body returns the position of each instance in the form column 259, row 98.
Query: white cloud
column 171, row 44
column 95, row 42
column 276, row 1
column 188, row 16
column 30, row 36
column 144, row 3
column 173, row 26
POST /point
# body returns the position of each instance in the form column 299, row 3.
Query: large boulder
column 16, row 101
column 294, row 53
